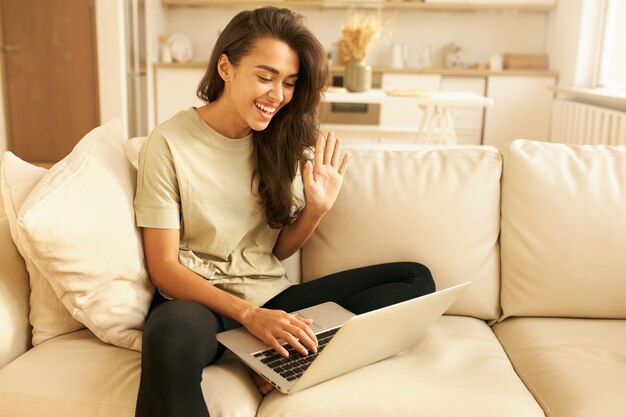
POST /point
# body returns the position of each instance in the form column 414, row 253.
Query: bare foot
column 262, row 385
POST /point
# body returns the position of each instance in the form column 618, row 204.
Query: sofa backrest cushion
column 436, row 206
column 564, row 230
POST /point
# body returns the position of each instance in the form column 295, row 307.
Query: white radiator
column 580, row 123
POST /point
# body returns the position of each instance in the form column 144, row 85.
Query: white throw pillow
column 133, row 146
column 78, row 227
column 47, row 315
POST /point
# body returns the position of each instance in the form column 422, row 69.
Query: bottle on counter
column 399, row 55
column 453, row 58
column 164, row 50
column 425, row 57
column 495, row 63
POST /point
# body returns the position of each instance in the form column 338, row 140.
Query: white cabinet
column 468, row 122
column 175, row 90
column 522, row 108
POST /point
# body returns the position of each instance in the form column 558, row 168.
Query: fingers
column 328, row 151
column 319, row 150
column 274, row 343
column 307, row 174
column 310, row 340
column 300, row 336
column 336, row 151
column 291, row 329
column 295, row 342
column 344, row 164
column 329, row 148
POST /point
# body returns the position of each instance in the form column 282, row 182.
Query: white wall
column 155, row 24
column 571, row 41
column 111, row 60
column 480, row 34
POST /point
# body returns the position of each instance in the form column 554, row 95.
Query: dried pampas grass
column 362, row 33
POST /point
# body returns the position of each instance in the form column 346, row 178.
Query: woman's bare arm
column 322, row 182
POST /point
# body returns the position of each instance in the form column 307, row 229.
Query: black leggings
column 179, row 336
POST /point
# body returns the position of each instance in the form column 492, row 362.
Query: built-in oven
column 348, row 113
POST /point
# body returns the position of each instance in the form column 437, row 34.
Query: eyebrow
column 274, row 70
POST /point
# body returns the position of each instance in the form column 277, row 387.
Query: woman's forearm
column 294, row 236
column 178, row 282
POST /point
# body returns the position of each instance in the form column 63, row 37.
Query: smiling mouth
column 265, row 109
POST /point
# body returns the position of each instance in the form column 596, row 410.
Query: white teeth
column 265, row 108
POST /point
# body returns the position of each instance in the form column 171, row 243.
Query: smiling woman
column 220, row 201
column 260, row 92
column 276, row 36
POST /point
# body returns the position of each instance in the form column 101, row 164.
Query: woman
column 218, row 208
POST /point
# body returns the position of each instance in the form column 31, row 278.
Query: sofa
column 539, row 229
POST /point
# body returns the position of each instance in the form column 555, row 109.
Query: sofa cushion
column 47, row 315
column 457, row 369
column 77, row 375
column 563, row 230
column 14, row 326
column 78, row 227
column 439, row 207
column 573, row 367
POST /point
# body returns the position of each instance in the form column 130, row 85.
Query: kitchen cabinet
column 441, row 5
column 175, row 89
column 522, row 104
column 468, row 122
column 399, row 121
column 522, row 109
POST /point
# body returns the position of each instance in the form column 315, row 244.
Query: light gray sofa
column 541, row 232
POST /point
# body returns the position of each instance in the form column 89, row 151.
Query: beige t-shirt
column 194, row 179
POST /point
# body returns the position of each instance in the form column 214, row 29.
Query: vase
column 358, row 76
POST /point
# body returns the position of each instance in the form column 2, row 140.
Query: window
column 612, row 65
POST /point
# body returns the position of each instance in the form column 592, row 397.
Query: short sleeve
column 157, row 199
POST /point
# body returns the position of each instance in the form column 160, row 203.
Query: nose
column 276, row 93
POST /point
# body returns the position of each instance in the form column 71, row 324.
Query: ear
column 224, row 67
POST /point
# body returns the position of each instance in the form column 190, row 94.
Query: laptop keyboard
column 293, row 367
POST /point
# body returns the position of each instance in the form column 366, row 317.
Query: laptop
column 346, row 341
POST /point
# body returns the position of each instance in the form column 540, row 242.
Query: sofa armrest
column 15, row 330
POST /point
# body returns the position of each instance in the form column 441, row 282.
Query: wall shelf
column 389, row 5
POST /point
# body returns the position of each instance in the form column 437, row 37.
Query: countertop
column 440, row 71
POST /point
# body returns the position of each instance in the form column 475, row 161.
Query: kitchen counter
column 453, row 72
column 338, row 69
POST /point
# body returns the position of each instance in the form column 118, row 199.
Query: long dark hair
column 280, row 148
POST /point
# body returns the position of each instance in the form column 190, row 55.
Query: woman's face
column 262, row 83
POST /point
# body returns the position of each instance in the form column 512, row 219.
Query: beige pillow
column 48, row 316
column 564, row 230
column 78, row 227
